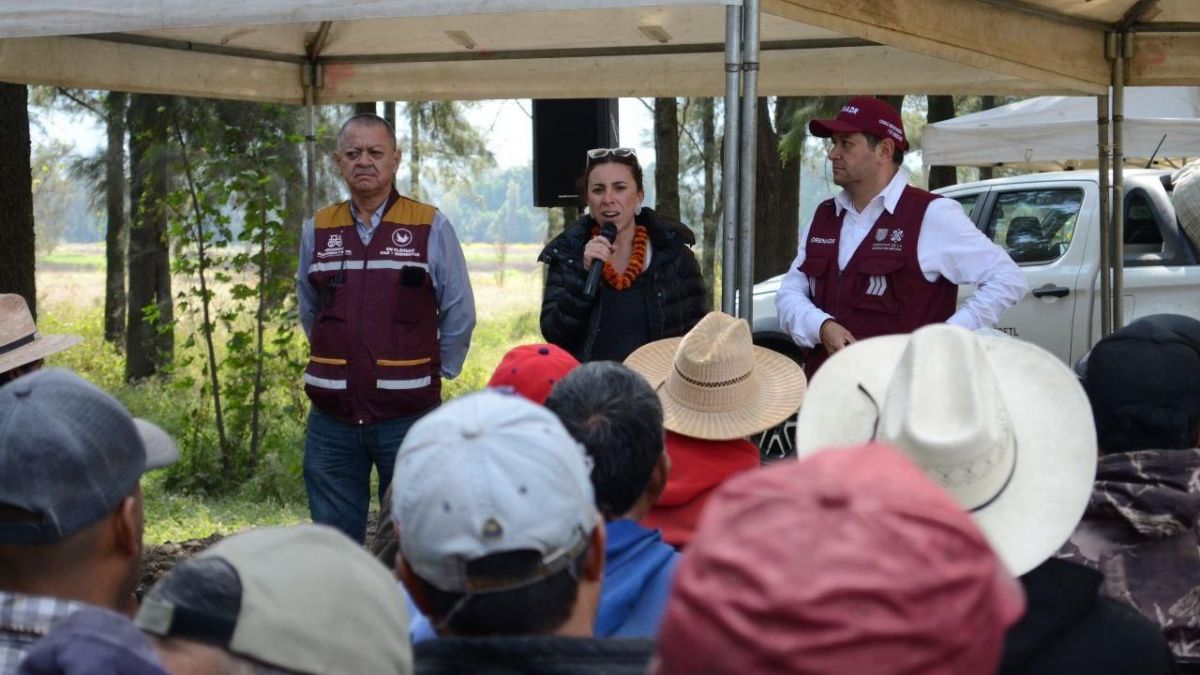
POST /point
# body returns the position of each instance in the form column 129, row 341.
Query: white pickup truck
column 1049, row 223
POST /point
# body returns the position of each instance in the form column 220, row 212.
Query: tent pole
column 1105, row 272
column 1123, row 42
column 729, row 161
column 310, row 139
column 750, row 23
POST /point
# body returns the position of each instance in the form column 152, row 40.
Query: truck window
column 1035, row 226
column 1141, row 228
column 968, row 202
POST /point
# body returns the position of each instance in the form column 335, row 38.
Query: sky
column 506, row 125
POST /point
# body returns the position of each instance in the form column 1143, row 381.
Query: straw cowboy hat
column 20, row 342
column 715, row 384
column 1002, row 424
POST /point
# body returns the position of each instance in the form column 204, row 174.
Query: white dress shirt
column 950, row 246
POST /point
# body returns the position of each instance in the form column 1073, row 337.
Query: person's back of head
column 617, row 416
column 848, row 561
column 71, row 458
column 498, row 530
column 1143, row 382
column 301, row 599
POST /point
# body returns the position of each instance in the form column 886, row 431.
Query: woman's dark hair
column 631, row 161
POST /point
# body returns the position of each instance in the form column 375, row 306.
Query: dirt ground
column 157, row 561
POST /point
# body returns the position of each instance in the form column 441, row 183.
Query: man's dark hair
column 873, row 142
column 537, row 609
column 617, row 416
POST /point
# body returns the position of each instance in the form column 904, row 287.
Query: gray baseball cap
column 69, row 453
column 486, row 473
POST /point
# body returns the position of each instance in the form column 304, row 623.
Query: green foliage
column 227, row 222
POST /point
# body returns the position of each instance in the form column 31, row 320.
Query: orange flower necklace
column 637, row 260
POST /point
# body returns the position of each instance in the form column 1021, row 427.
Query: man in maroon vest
column 882, row 256
column 387, row 305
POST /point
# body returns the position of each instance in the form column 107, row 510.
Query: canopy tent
column 329, row 51
column 1049, row 133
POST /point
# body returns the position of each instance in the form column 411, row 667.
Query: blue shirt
column 447, row 267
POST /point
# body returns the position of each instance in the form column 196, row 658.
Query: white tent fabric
column 1056, row 132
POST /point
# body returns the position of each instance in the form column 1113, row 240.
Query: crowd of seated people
column 961, row 503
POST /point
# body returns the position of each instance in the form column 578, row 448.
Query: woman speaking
column 649, row 285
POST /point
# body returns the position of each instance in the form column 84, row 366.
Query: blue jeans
column 338, row 457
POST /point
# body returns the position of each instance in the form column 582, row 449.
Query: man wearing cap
column 1006, row 429
column 22, row 347
column 71, row 458
column 882, row 256
column 386, row 302
column 504, row 552
column 303, row 599
column 846, row 562
column 1140, row 526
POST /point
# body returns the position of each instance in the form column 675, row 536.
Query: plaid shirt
column 24, row 619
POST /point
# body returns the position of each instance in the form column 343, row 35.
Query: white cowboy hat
column 20, row 342
column 715, row 384
column 1002, row 424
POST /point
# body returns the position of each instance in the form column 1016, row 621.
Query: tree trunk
column 896, row 102
column 365, row 107
column 986, row 103
column 708, row 263
column 414, row 149
column 148, row 349
column 295, row 194
column 389, row 113
column 666, row 148
column 115, row 238
column 777, row 197
column 940, row 108
column 16, row 196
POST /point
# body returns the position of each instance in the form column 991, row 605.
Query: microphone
column 609, row 232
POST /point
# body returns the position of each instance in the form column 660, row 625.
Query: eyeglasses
column 601, row 153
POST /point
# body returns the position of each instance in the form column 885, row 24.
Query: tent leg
column 750, row 23
column 1118, row 180
column 310, row 139
column 1105, row 272
column 729, row 164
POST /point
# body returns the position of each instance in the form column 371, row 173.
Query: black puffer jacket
column 571, row 321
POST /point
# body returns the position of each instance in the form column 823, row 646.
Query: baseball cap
column 69, row 453
column 845, row 562
column 312, row 601
column 1153, row 362
column 490, row 472
column 864, row 114
column 532, row 370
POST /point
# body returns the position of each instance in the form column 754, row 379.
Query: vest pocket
column 815, row 269
column 325, row 382
column 875, row 287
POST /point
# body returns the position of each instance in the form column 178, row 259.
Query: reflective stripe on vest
column 404, row 384
column 358, row 265
column 325, row 383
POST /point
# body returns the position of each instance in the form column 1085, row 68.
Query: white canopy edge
column 844, row 71
column 1060, row 131
column 33, row 18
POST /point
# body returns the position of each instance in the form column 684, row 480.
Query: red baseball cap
column 850, row 561
column 532, row 370
column 864, row 114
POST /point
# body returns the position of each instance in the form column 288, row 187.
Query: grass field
column 70, row 286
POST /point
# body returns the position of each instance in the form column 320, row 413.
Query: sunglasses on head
column 601, row 153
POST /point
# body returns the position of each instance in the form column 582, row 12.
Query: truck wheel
column 778, row 442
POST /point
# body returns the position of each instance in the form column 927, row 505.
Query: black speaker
column 563, row 131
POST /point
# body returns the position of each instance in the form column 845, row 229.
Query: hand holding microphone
column 607, row 231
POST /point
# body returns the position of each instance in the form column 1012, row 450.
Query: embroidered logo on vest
column 822, row 240
column 880, row 234
column 333, row 247
column 885, row 243
column 402, row 238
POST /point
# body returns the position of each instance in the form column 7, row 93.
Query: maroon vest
column 375, row 353
column 882, row 290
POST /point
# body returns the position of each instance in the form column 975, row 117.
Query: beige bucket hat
column 715, row 384
column 20, row 342
column 1000, row 423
